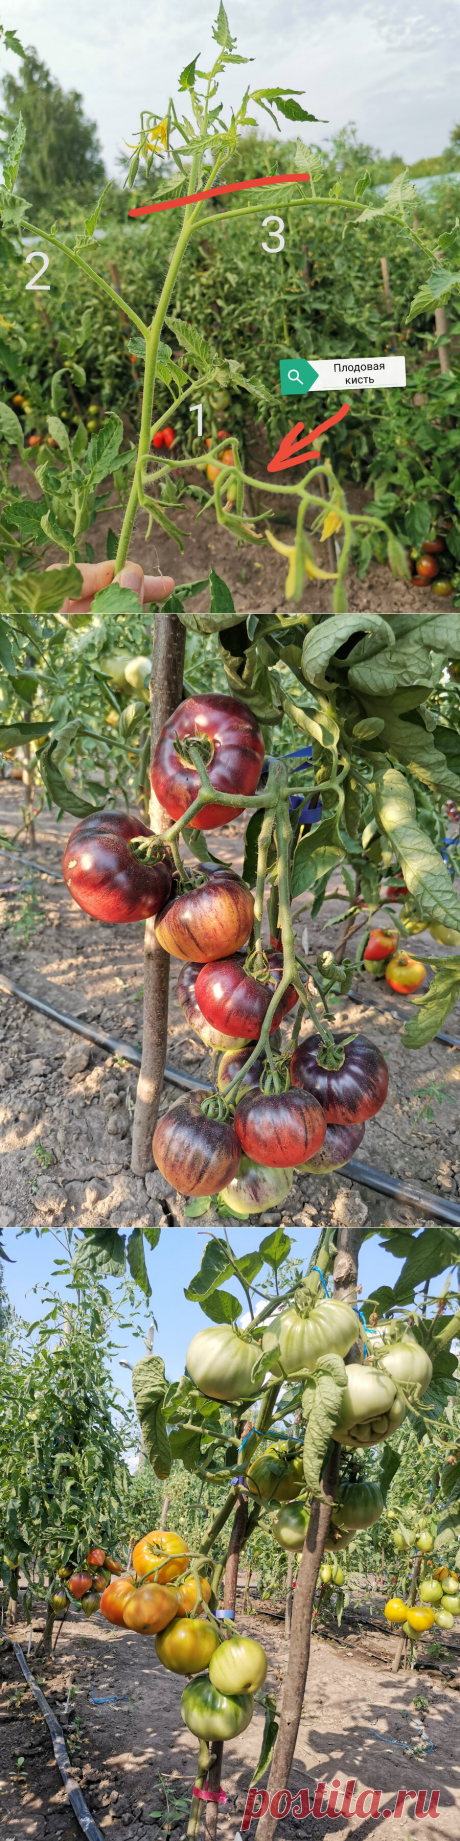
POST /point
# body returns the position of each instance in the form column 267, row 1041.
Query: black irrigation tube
column 31, row 863
column 419, row 1199
column 76, row 1798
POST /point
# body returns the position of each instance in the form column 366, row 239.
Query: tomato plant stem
column 401, row 1645
column 299, row 1648
column 166, row 693
column 200, row 1780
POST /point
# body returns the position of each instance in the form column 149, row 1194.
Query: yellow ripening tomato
column 420, row 1616
column 147, row 1554
column 239, row 1666
column 187, row 1645
column 187, row 1594
column 404, row 973
column 395, row 1611
column 150, row 1608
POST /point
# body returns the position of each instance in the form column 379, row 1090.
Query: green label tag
column 297, row 376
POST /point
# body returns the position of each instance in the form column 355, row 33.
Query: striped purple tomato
column 340, row 1143
column 233, row 757
column 280, row 1129
column 350, row 1093
column 185, row 991
column 231, row 999
column 233, row 1064
column 196, row 1154
column 103, row 875
column 207, row 922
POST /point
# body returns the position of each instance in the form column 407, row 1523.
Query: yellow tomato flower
column 311, row 568
column 332, row 522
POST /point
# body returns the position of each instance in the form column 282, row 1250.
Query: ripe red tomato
column 340, row 1143
column 235, row 752
column 158, row 439
column 169, row 435
column 185, row 991
column 280, row 1129
column 95, row 1557
column 433, row 546
column 104, row 877
column 348, row 1094
column 34, row 440
column 147, row 1553
column 79, row 1584
column 150, row 1608
column 404, row 973
column 196, row 1154
column 426, row 568
column 209, row 921
column 380, row 945
column 233, row 1063
column 396, row 892
column 232, row 999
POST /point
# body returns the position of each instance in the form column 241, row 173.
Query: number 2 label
column 35, row 279
column 273, row 248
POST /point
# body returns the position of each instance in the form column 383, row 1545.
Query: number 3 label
column 273, row 248
column 35, row 279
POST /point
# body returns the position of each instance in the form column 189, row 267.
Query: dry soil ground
column 358, row 1721
column 65, row 1107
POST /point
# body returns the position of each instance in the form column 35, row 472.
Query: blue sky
column 393, row 70
column 170, row 1268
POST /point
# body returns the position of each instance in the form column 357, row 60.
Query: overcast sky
column 392, row 70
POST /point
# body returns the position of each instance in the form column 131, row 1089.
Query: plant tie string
column 323, row 1281
column 360, row 1314
column 209, row 1796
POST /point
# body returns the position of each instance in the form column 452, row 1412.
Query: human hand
column 98, row 575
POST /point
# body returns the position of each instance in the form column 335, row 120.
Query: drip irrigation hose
column 76, row 1798
column 31, row 863
column 421, row 1200
column 401, row 1017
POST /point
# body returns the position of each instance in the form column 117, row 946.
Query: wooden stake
column 440, row 320
column 165, row 694
column 386, row 283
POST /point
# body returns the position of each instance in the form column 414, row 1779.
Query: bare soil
column 132, row 1755
column 65, row 1111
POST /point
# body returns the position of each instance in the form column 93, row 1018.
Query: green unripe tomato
column 400, row 1541
column 407, row 1631
column 338, row 1576
column 326, row 1573
column 290, row 1525
column 239, row 1666
column 444, row 1619
column 424, row 1541
column 449, row 1603
column 431, row 1591
column 211, row 1715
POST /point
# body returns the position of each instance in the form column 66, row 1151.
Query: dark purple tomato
column 214, row 1038
column 105, row 878
column 340, row 1143
column 231, row 999
column 234, row 757
column 280, row 1129
column 233, row 1063
column 348, row 1094
column 207, row 922
column 197, row 1155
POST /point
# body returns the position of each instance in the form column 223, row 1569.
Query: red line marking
column 216, row 191
column 288, row 453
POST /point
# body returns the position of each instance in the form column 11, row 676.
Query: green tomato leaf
column 188, row 74
column 275, row 1248
column 149, row 1388
column 215, row 1268
column 317, row 855
column 250, row 848
column 325, row 640
column 269, row 1737
column 11, row 427
column 102, row 450
column 13, row 153
column 58, row 788
column 7, row 658
column 102, row 1252
column 424, row 871
column 430, row 1011
column 13, row 734
column 91, row 222
column 221, row 1307
column 44, row 594
column 390, row 1463
column 115, row 600
column 199, row 1205
column 136, row 1261
column 321, row 1405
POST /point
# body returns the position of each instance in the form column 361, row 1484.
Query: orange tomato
column 442, row 1572
column 95, row 1557
column 79, row 1584
column 396, row 1611
column 150, row 1608
column 147, row 1553
column 420, row 1617
column 114, row 1599
column 426, row 568
column 404, row 973
column 187, row 1593
column 212, row 472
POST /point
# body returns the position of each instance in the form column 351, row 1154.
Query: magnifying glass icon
column 293, row 377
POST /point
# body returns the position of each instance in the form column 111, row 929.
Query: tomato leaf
column 215, row 1268
column 10, row 427
column 149, row 1387
column 321, row 1405
column 317, row 855
column 269, row 1736
column 424, row 871
column 221, row 1307
column 136, row 1261
column 102, row 1252
column 389, row 1465
column 275, row 1248
column 14, row 733
column 250, row 848
column 58, row 787
column 101, row 453
column 430, row 1011
column 430, row 1253
column 185, row 1446
column 325, row 640
column 115, row 600
column 44, row 594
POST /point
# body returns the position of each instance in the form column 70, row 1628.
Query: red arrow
column 289, row 452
